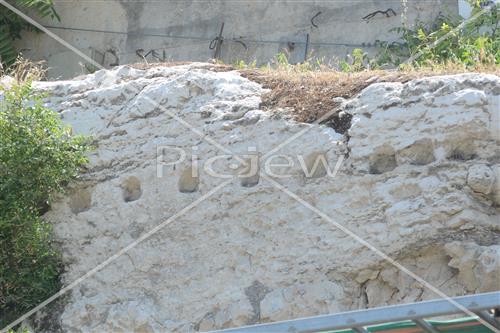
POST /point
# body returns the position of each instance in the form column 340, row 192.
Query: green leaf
column 37, row 157
column 8, row 53
column 11, row 25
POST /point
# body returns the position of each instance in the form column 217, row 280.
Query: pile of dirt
column 311, row 95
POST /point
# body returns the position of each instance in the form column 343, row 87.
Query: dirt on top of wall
column 306, row 95
column 309, row 95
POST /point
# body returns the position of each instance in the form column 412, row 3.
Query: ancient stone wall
column 420, row 181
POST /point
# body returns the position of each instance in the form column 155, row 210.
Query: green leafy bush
column 38, row 156
column 357, row 61
column 11, row 25
column 242, row 64
column 476, row 43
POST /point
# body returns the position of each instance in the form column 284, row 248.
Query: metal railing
column 360, row 319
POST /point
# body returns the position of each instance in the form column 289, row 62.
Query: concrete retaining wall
column 253, row 30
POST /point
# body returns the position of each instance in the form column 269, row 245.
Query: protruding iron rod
column 425, row 325
column 218, row 44
column 486, row 316
column 360, row 329
column 306, row 50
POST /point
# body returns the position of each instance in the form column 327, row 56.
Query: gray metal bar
column 486, row 316
column 360, row 329
column 218, row 44
column 425, row 325
column 368, row 317
column 306, row 49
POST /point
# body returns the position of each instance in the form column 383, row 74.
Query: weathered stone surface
column 481, row 179
column 478, row 266
column 496, row 185
column 418, row 153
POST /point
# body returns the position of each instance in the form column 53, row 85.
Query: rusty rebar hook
column 312, row 19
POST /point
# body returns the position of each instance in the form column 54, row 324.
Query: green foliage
column 38, row 156
column 357, row 61
column 281, row 60
column 20, row 330
column 241, row 64
column 475, row 43
column 11, row 25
